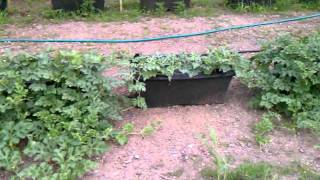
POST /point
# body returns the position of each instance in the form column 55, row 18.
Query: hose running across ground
column 300, row 18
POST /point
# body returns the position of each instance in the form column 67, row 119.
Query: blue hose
column 300, row 18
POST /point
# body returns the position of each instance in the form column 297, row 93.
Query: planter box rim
column 181, row 76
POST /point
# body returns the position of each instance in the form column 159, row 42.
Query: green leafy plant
column 263, row 127
column 262, row 6
column 254, row 7
column 3, row 17
column 222, row 166
column 121, row 137
column 143, row 68
column 181, row 8
column 287, row 76
column 55, row 111
column 87, row 8
column 58, row 14
column 150, row 128
column 263, row 171
column 252, row 171
column 160, row 9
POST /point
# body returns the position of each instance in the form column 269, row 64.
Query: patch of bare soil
column 175, row 151
column 238, row 39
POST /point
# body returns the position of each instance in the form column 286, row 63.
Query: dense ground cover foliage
column 54, row 113
column 287, row 73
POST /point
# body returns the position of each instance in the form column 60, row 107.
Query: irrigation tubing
column 300, row 18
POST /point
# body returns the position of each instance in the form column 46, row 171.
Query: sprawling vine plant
column 287, row 73
column 55, row 112
column 145, row 67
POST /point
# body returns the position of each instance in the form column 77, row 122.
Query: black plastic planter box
column 183, row 90
column 168, row 4
column 72, row 5
column 3, row 5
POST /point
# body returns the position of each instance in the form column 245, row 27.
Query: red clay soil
column 238, row 40
column 175, row 149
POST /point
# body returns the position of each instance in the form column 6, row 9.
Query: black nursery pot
column 183, row 90
column 72, row 5
column 3, row 5
column 172, row 4
column 148, row 4
column 168, row 4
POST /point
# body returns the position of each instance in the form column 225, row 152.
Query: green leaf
column 122, row 139
column 128, row 128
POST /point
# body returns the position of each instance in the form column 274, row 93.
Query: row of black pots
column 71, row 5
column 168, row 4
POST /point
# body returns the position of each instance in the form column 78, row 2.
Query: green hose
column 300, row 18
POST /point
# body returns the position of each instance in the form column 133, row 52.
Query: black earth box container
column 148, row 4
column 72, row 5
column 183, row 90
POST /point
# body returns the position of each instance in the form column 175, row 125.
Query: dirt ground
column 174, row 151
column 238, row 40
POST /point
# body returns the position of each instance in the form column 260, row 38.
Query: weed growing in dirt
column 263, row 171
column 150, row 128
column 256, row 8
column 3, row 17
column 263, row 127
column 181, row 8
column 297, row 169
column 276, row 5
column 252, row 171
column 222, row 166
column 160, row 10
column 128, row 129
column 55, row 14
